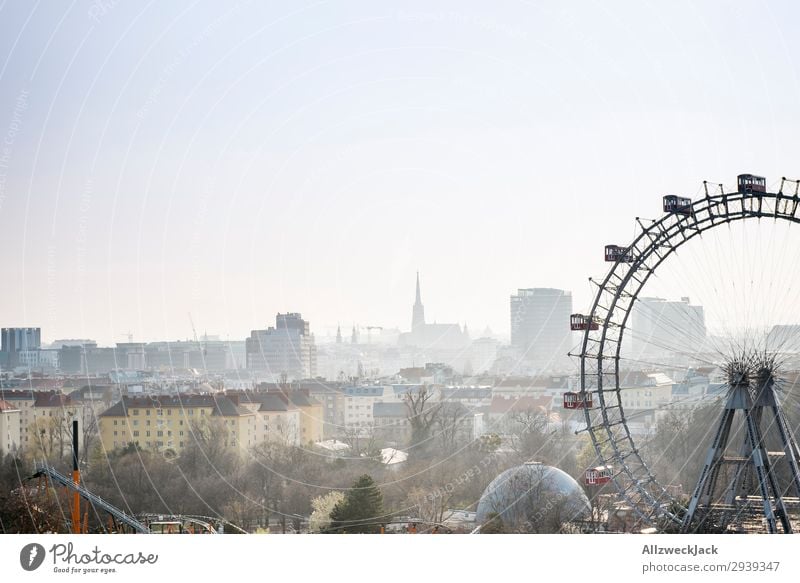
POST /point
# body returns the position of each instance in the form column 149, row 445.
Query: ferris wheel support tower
column 750, row 391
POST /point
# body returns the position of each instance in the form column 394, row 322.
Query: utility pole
column 76, row 478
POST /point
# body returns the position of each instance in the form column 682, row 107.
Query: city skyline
column 241, row 166
column 357, row 267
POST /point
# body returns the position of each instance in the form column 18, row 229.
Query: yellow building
column 312, row 415
column 45, row 421
column 287, row 415
column 645, row 390
column 171, row 422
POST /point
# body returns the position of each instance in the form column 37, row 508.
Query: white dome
column 533, row 497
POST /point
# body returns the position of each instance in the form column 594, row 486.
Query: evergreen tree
column 361, row 511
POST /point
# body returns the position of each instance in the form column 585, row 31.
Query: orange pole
column 76, row 504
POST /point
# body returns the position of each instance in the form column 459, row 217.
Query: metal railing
column 43, row 469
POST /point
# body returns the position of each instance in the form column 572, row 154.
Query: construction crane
column 197, row 343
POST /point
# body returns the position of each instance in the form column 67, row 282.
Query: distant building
column 540, row 326
column 418, row 311
column 13, row 341
column 391, row 423
column 661, row 328
column 10, row 428
column 510, row 415
column 287, row 349
column 331, row 396
column 645, row 397
column 448, row 337
column 784, row 338
column 483, row 353
column 43, row 360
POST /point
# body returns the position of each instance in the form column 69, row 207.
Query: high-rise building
column 663, row 328
column 287, row 350
column 540, row 326
column 13, row 341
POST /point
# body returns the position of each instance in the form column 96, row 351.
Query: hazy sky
column 233, row 160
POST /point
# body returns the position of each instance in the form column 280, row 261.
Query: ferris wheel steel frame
column 611, row 308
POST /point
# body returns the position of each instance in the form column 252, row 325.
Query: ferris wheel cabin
column 573, row 400
column 616, row 253
column 598, row 476
column 677, row 205
column 751, row 183
column 581, row 322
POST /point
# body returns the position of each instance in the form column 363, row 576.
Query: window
column 115, row 421
column 180, row 433
column 136, row 422
column 147, row 434
column 161, row 434
column 148, row 412
column 115, row 434
column 136, row 411
column 136, row 434
column 147, row 423
column 169, row 411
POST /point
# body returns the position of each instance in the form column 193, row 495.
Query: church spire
column 338, row 334
column 418, row 312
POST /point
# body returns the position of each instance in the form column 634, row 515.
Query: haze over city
column 430, row 267
column 235, row 162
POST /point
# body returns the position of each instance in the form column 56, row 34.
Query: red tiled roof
column 501, row 406
column 6, row 406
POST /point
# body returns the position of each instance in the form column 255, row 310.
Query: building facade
column 662, row 328
column 13, row 341
column 172, row 422
column 286, row 351
column 540, row 331
column 10, row 429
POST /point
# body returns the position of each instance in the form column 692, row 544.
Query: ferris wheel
column 746, row 363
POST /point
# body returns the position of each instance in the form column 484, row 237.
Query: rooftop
column 220, row 405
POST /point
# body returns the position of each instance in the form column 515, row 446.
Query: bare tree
column 451, row 425
column 422, row 414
